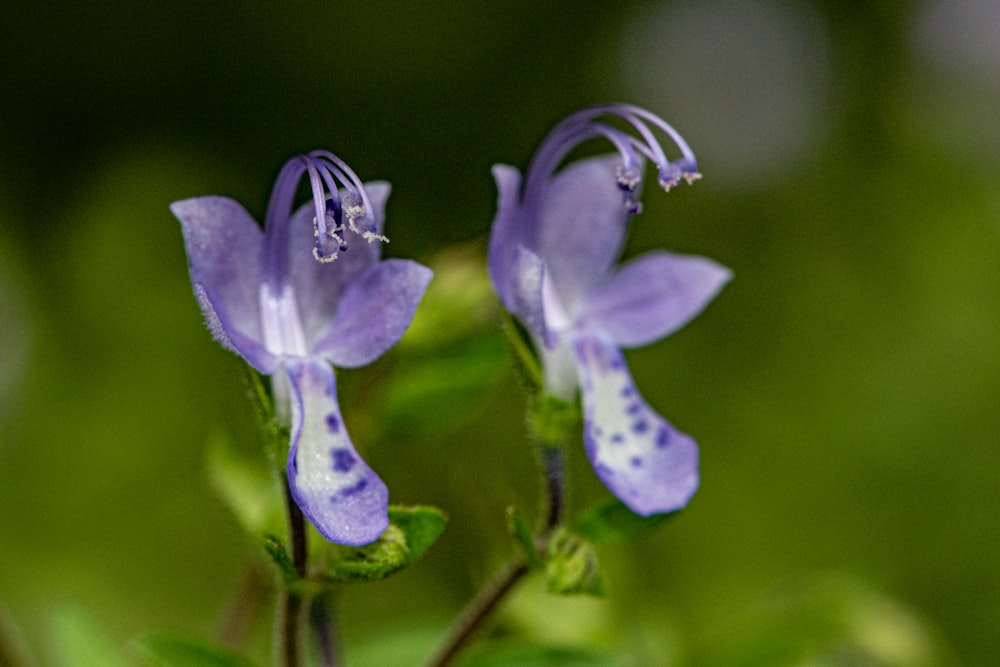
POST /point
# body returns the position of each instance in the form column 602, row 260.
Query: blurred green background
column 843, row 388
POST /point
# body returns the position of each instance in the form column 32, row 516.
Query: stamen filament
column 583, row 125
column 327, row 175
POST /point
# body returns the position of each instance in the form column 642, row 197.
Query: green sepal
column 257, row 393
column 164, row 650
column 517, row 525
column 522, row 349
column 411, row 532
column 275, row 548
column 612, row 521
column 275, row 434
column 554, row 421
column 571, row 568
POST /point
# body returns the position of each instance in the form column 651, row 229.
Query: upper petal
column 335, row 489
column 319, row 286
column 374, row 312
column 507, row 234
column 582, row 224
column 224, row 247
column 652, row 296
column 647, row 463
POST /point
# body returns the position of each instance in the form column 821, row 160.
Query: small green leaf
column 411, row 531
column 247, row 486
column 422, row 524
column 162, row 650
column 517, row 525
column 611, row 521
column 571, row 568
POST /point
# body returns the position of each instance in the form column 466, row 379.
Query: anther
column 628, row 178
column 356, row 213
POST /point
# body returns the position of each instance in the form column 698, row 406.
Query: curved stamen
column 562, row 140
column 584, row 125
column 328, row 242
column 345, row 175
column 328, row 176
column 357, row 204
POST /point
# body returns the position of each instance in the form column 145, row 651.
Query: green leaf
column 612, row 521
column 163, row 650
column 571, row 568
column 422, row 524
column 411, row 531
column 247, row 486
column 517, row 525
column 79, row 641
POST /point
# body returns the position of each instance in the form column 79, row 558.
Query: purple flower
column 552, row 258
column 276, row 298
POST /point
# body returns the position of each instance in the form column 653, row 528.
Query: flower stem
column 555, row 480
column 292, row 599
column 476, row 613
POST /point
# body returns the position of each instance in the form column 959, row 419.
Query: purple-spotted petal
column 335, row 489
column 652, row 296
column 224, row 248
column 582, row 226
column 647, row 463
column 508, row 233
column 318, row 285
column 374, row 312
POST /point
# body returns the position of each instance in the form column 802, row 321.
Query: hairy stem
column 478, row 611
column 555, row 480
